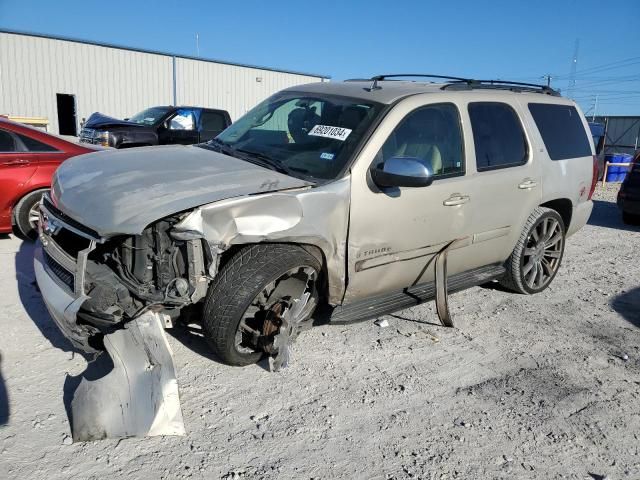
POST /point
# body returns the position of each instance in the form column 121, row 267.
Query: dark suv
column 629, row 193
column 156, row 126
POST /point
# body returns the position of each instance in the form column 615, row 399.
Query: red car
column 28, row 158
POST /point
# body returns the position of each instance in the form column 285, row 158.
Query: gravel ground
column 544, row 386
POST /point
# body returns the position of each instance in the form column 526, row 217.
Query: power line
column 607, row 66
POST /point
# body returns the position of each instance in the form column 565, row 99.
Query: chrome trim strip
column 69, row 227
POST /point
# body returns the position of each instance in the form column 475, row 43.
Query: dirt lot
column 544, row 386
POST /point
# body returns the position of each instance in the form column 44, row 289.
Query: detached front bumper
column 62, row 305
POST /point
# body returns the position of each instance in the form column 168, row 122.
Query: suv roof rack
column 466, row 83
column 471, row 84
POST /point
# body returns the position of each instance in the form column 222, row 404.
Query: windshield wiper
column 258, row 158
column 272, row 163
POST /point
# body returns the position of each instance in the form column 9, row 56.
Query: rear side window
column 562, row 130
column 212, row 121
column 35, row 145
column 7, row 143
column 497, row 135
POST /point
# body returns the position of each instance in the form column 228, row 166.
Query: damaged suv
column 365, row 196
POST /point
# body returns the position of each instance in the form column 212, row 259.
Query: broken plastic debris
column 139, row 396
column 382, row 322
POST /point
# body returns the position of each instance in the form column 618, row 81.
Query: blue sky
column 499, row 39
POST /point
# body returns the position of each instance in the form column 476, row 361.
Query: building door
column 67, row 123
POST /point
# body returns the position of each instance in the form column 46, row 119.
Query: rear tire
column 235, row 292
column 630, row 219
column 26, row 214
column 536, row 258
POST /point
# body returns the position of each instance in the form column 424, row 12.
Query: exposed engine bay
column 127, row 275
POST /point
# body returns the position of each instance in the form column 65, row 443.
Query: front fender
column 317, row 216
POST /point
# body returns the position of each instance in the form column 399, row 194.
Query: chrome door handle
column 456, row 199
column 18, row 161
column 527, row 184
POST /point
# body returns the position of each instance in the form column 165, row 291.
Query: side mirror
column 402, row 172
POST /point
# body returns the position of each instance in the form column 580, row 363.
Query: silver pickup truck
column 343, row 195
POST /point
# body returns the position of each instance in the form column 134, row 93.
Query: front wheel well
column 314, row 250
column 564, row 207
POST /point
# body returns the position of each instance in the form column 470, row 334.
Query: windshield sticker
column 336, row 133
column 327, row 156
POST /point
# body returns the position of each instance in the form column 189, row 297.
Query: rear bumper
column 62, row 305
column 580, row 216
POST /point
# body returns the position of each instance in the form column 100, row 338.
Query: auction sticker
column 336, row 133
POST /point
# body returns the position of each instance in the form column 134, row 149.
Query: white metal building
column 66, row 80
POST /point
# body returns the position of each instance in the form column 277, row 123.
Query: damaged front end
column 117, row 295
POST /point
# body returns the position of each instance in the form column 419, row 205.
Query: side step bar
column 384, row 304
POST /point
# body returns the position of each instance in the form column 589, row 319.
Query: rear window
column 562, row 130
column 34, row 145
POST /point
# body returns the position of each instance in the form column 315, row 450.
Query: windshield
column 149, row 116
column 304, row 135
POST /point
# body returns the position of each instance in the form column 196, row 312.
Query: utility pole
column 595, row 110
column 574, row 64
column 548, row 78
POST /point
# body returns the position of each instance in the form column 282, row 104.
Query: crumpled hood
column 99, row 120
column 123, row 191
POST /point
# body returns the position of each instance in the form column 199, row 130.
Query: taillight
column 594, row 180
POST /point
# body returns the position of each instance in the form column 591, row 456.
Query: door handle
column 456, row 199
column 527, row 184
column 18, row 161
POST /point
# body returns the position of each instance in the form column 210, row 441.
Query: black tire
column 23, row 213
column 630, row 219
column 518, row 275
column 237, row 285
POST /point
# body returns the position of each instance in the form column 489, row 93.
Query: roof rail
column 470, row 84
column 465, row 83
column 377, row 78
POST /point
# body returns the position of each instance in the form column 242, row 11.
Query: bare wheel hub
column 277, row 312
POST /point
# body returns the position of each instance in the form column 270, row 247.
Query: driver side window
column 184, row 119
column 431, row 135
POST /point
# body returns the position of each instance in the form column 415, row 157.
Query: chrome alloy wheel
column 542, row 253
column 34, row 216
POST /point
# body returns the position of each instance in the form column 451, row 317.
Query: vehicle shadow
column 608, row 215
column 4, row 399
column 628, row 305
column 32, row 300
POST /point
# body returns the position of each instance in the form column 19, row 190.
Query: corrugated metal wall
column 236, row 88
column 121, row 82
column 622, row 133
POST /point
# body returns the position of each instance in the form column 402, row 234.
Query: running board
column 384, row 304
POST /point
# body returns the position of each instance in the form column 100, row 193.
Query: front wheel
column 535, row 260
column 248, row 301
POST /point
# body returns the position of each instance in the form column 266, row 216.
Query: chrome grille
column 87, row 135
column 64, row 275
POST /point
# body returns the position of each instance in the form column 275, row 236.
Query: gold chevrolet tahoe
column 363, row 197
